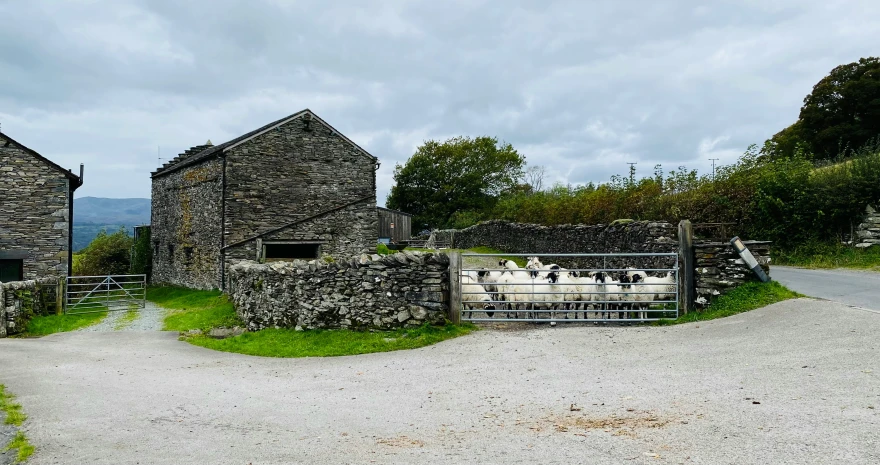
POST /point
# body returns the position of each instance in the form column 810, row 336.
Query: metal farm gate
column 619, row 288
column 86, row 294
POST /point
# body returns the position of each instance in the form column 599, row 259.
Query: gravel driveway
column 796, row 382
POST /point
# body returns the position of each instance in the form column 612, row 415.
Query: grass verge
column 830, row 256
column 49, row 324
column 24, row 449
column 331, row 343
column 125, row 320
column 15, row 417
column 749, row 296
column 193, row 309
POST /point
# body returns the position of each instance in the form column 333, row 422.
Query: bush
column 142, row 255
column 107, row 254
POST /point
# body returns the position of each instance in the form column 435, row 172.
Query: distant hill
column 93, row 214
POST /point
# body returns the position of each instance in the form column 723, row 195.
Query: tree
column 534, row 177
column 106, row 254
column 843, row 111
column 460, row 176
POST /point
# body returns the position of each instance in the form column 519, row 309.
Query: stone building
column 293, row 189
column 36, row 214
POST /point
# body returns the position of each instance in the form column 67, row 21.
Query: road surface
column 796, row 382
column 850, row 287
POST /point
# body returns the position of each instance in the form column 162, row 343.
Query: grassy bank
column 193, row 309
column 331, row 343
column 49, row 324
column 15, row 417
column 830, row 256
column 749, row 296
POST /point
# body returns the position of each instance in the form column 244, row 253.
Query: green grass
column 193, row 309
column 126, row 320
column 830, row 256
column 49, row 324
column 331, row 343
column 23, row 446
column 749, row 296
column 14, row 415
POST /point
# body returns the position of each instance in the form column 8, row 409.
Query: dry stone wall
column 367, row 292
column 544, row 241
column 719, row 269
column 868, row 232
column 22, row 300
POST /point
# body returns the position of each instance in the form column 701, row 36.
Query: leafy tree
column 106, row 254
column 841, row 114
column 142, row 255
column 456, row 180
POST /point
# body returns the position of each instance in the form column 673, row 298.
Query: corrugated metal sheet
column 402, row 229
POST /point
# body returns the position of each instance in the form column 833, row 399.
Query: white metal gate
column 598, row 288
column 86, row 294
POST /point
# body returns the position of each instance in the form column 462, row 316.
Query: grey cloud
column 581, row 87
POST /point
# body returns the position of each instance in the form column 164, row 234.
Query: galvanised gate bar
column 494, row 287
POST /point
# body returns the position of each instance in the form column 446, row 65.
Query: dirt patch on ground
column 400, row 441
column 623, row 425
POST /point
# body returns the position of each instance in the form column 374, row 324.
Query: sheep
column 475, row 297
column 518, row 287
column 641, row 295
column 489, row 280
column 608, row 293
column 664, row 287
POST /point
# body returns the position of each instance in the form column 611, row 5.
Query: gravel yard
column 796, row 382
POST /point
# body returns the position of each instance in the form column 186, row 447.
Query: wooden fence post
column 687, row 281
column 455, row 287
column 59, row 296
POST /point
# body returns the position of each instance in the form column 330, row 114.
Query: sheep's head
column 598, row 276
column 483, row 273
column 638, row 278
column 534, row 263
column 574, row 274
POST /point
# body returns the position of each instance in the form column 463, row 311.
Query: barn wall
column 289, row 174
column 402, row 230
column 186, row 223
column 34, row 213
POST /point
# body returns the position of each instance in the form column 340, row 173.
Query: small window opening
column 188, row 253
column 11, row 270
column 171, row 252
column 292, row 251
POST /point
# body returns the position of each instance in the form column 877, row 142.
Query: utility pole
column 713, row 167
column 632, row 172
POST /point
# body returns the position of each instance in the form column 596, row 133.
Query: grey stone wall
column 369, row 292
column 22, row 300
column 719, row 269
column 868, row 232
column 203, row 214
column 34, row 212
column 186, row 226
column 544, row 241
column 289, row 174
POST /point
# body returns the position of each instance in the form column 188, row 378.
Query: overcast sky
column 581, row 87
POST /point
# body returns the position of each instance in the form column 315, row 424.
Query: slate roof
column 188, row 159
column 76, row 181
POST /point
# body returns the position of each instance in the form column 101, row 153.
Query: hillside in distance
column 91, row 215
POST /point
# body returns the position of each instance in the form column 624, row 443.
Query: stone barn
column 295, row 188
column 36, row 214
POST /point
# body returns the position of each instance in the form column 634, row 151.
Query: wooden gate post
column 59, row 296
column 687, row 282
column 455, row 287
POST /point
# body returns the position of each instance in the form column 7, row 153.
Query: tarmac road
column 796, row 382
column 850, row 287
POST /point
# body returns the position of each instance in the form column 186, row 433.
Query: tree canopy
column 455, row 181
column 841, row 113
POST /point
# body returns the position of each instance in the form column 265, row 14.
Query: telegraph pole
column 632, row 172
column 713, row 167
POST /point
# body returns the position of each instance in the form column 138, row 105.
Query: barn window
column 171, row 253
column 11, row 270
column 291, row 250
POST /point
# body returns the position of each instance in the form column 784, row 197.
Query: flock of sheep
column 543, row 290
